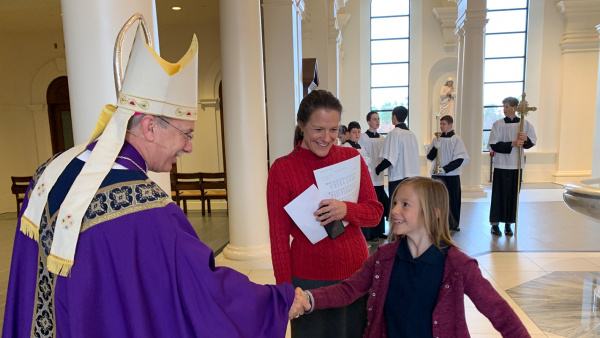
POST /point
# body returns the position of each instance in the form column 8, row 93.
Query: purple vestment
column 140, row 271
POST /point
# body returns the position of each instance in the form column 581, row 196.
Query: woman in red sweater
column 417, row 283
column 327, row 262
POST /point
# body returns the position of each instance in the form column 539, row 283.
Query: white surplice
column 401, row 148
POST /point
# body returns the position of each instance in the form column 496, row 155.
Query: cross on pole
column 523, row 110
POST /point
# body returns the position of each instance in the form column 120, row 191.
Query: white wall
column 23, row 149
column 174, row 42
column 355, row 99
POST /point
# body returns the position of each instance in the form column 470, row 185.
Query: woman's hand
column 331, row 210
column 300, row 305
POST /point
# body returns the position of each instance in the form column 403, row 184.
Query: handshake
column 302, row 304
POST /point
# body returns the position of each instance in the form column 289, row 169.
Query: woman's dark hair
column 512, row 101
column 353, row 125
column 317, row 99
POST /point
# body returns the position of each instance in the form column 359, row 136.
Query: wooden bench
column 213, row 186
column 19, row 189
column 186, row 187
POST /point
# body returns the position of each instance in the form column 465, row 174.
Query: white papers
column 301, row 211
column 340, row 181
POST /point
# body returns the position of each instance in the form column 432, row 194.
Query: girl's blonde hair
column 432, row 195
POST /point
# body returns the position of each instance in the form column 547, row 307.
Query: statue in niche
column 447, row 96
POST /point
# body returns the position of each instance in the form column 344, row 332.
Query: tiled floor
column 507, row 271
column 550, row 238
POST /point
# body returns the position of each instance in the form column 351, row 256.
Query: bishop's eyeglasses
column 190, row 137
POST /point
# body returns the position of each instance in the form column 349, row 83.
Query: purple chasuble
column 140, row 271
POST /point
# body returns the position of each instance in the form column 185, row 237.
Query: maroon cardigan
column 461, row 277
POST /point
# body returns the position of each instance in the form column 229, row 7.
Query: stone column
column 245, row 127
column 578, row 89
column 459, row 79
column 334, row 32
column 596, row 154
column 333, row 60
column 90, row 30
column 472, row 19
column 283, row 70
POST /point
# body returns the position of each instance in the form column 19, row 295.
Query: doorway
column 59, row 115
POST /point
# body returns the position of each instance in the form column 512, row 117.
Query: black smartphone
column 335, row 228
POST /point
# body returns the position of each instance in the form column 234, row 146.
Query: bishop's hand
column 300, row 305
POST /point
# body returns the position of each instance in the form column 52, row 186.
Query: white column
column 245, row 127
column 596, row 154
column 579, row 61
column 90, row 28
column 459, row 80
column 472, row 19
column 333, row 45
column 283, row 68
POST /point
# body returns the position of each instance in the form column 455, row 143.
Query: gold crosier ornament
column 522, row 110
column 438, row 169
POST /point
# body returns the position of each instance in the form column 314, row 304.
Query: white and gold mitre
column 151, row 86
column 155, row 86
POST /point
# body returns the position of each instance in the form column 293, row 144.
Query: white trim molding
column 208, row 102
column 580, row 33
column 446, row 17
column 45, row 76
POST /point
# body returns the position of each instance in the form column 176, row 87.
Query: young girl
column 417, row 283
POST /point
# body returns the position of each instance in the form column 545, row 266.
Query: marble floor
column 546, row 272
column 551, row 292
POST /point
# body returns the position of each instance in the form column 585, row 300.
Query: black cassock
column 504, row 188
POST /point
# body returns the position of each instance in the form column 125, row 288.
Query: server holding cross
column 508, row 137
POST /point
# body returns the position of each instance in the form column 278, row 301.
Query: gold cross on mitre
column 523, row 108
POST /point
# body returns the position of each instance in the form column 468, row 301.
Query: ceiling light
column 176, row 8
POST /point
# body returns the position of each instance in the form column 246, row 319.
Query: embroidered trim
column 38, row 173
column 119, row 200
column 142, row 104
column 159, row 101
column 182, row 111
column 43, row 322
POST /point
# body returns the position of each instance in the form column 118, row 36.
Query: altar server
column 505, row 140
column 452, row 156
column 372, row 142
column 354, row 131
column 400, row 151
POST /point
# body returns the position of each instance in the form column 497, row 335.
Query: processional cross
column 523, row 110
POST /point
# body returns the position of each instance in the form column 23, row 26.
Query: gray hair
column 135, row 121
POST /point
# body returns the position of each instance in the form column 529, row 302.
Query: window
column 505, row 53
column 390, row 22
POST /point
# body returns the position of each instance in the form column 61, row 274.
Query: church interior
column 373, row 55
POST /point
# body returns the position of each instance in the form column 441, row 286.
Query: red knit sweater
column 328, row 259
